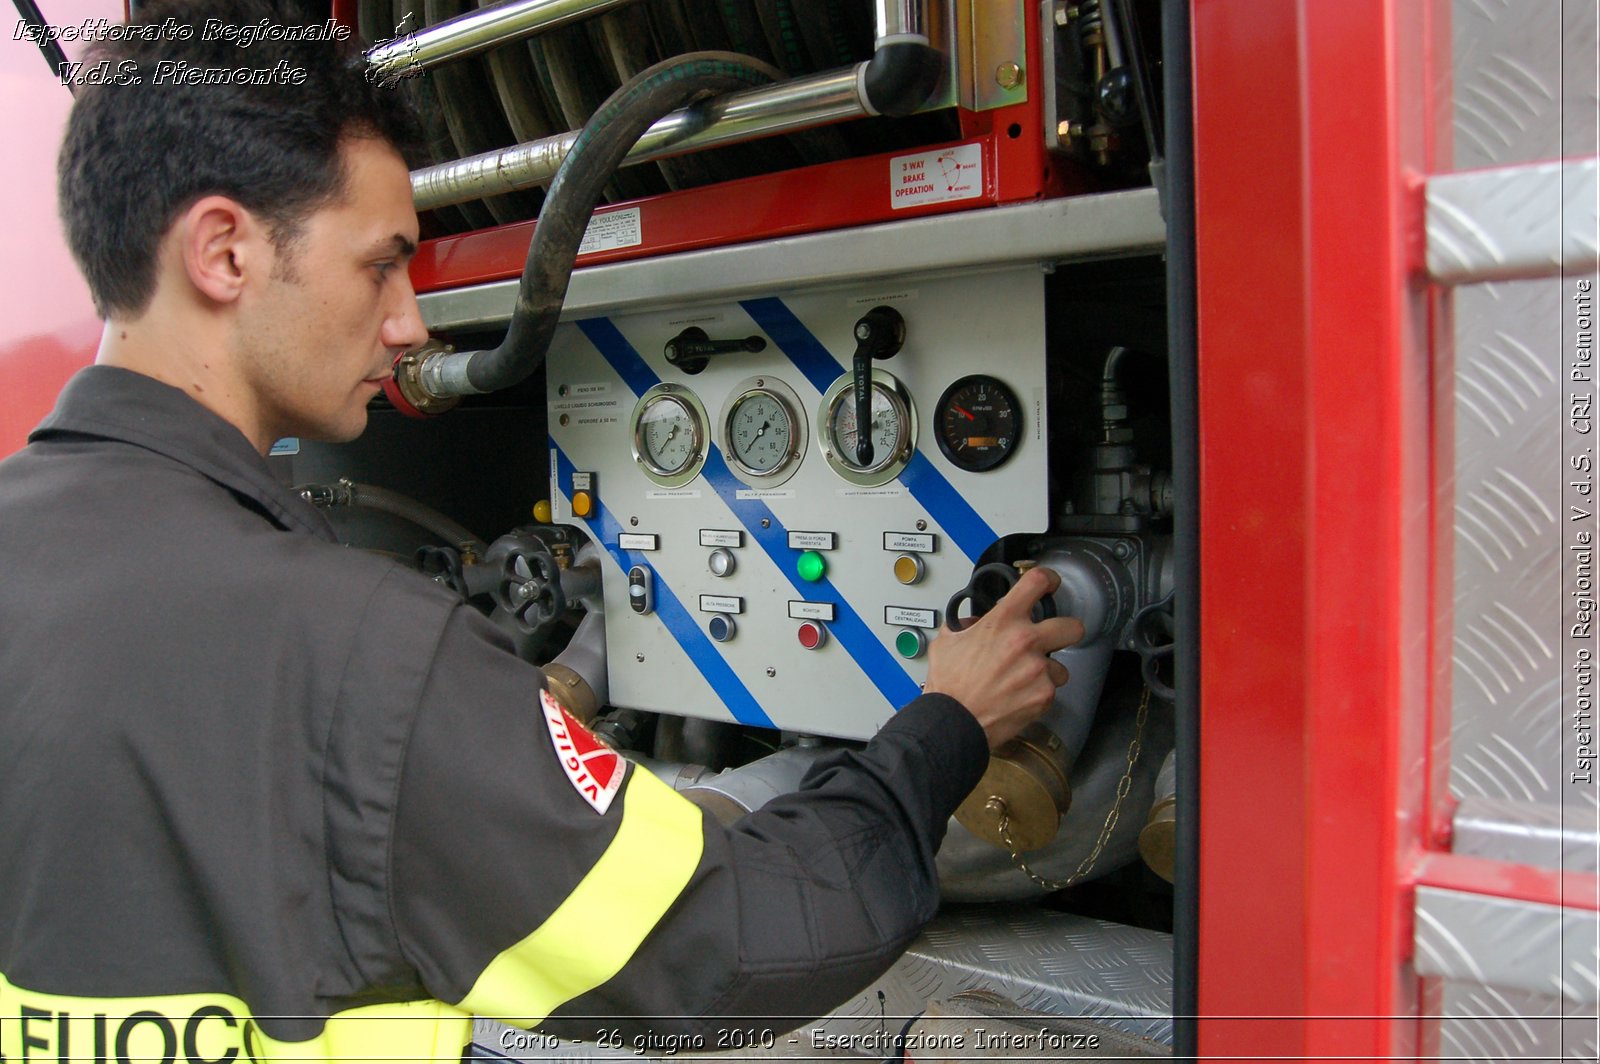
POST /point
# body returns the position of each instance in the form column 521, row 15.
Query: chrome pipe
column 801, row 103
column 899, row 19
column 475, row 31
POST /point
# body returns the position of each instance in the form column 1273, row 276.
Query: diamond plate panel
column 1055, row 963
column 1524, row 80
column 1524, row 75
column 1532, row 220
column 1492, row 1025
column 1547, row 836
column 1509, row 945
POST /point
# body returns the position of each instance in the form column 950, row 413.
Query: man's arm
column 515, row 898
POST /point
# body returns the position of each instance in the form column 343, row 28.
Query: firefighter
column 264, row 797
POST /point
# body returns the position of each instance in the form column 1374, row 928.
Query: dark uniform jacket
column 263, row 796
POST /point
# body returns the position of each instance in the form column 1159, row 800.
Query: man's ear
column 222, row 246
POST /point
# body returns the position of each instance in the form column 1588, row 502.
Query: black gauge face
column 978, row 422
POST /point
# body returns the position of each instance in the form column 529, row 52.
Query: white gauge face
column 760, row 432
column 668, row 436
column 886, row 430
column 763, row 436
column 891, row 429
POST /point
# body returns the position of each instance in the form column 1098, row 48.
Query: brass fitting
column 1158, row 839
column 572, row 691
column 1026, row 782
column 408, row 378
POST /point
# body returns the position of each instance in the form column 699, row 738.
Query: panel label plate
column 936, row 176
column 920, row 542
column 721, row 604
column 718, row 537
column 811, row 540
column 637, row 540
column 810, row 611
column 612, row 230
column 907, row 617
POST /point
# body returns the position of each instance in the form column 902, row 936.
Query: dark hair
column 243, row 105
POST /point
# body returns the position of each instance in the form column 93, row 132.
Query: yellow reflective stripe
column 215, row 1029
column 412, row 1030
column 600, row 925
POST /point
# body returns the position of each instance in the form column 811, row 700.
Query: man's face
column 321, row 333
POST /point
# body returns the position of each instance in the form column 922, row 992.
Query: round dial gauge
column 760, row 430
column 977, row 423
column 892, row 430
column 669, row 435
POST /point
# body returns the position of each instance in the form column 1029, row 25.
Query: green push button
column 910, row 643
column 811, row 566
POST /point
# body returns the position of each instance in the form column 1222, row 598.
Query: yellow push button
column 542, row 512
column 582, row 504
column 908, row 568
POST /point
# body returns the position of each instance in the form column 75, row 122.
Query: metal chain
column 1123, row 786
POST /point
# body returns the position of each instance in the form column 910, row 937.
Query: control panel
column 788, row 489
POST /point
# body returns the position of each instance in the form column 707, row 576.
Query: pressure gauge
column 669, row 435
column 977, row 423
column 891, row 427
column 763, row 435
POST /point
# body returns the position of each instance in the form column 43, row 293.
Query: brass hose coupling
column 1023, row 794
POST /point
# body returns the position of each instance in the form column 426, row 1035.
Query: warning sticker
column 594, row 769
column 612, row 230
column 936, row 176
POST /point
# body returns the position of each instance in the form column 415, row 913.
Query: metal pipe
column 899, row 18
column 801, row 103
column 475, row 31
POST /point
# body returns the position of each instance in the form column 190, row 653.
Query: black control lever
column 989, row 584
column 691, row 349
column 879, row 333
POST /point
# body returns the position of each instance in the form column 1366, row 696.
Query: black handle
column 691, row 349
column 989, row 584
column 880, row 332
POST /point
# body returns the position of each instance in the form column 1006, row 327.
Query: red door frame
column 1314, row 123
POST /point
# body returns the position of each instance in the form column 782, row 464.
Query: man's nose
column 403, row 328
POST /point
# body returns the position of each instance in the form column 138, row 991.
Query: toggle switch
column 641, row 590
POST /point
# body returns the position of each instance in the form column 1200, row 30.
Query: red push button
column 812, row 635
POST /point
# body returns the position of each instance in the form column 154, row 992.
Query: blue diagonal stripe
column 964, row 525
column 795, row 340
column 744, row 706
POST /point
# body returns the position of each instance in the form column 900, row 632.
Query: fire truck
column 1267, row 324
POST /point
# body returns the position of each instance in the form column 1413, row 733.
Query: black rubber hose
column 1183, row 362
column 371, row 497
column 49, row 47
column 595, row 156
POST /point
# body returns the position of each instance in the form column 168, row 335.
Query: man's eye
column 383, row 269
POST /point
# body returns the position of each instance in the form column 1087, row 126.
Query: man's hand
column 999, row 666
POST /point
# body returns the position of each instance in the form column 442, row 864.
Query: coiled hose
column 595, row 156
